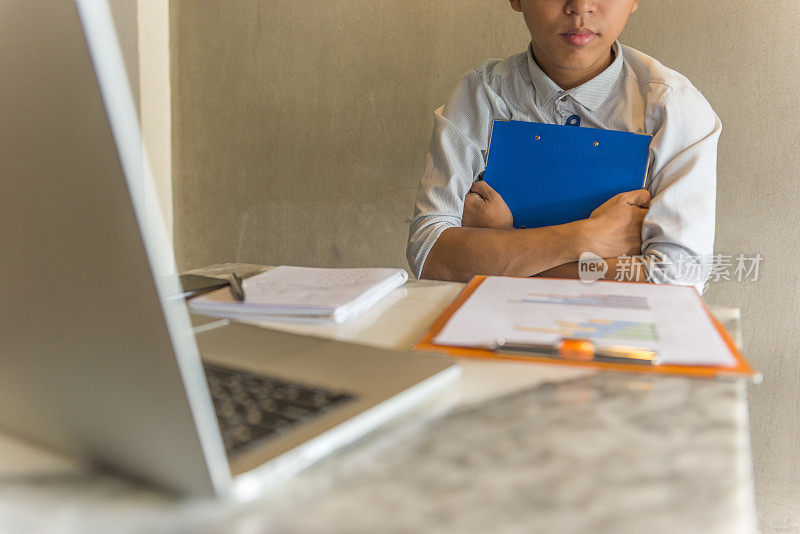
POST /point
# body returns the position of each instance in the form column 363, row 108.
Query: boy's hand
column 616, row 226
column 485, row 208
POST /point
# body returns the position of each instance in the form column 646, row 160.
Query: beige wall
column 311, row 120
column 300, row 132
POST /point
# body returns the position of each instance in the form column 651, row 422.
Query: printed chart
column 669, row 320
column 597, row 329
column 625, row 302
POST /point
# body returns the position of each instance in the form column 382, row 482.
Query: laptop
column 98, row 353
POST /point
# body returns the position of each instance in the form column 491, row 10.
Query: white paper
column 304, row 293
column 670, row 320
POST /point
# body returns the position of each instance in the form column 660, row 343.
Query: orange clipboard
column 742, row 369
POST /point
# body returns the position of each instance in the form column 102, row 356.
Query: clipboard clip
column 581, row 350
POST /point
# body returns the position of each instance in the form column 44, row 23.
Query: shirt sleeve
column 678, row 230
column 455, row 159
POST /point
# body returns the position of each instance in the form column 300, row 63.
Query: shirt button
column 564, row 98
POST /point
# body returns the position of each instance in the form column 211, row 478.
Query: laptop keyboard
column 252, row 408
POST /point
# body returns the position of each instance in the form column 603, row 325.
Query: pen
column 582, row 350
column 237, row 290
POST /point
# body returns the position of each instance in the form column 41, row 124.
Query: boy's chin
column 581, row 60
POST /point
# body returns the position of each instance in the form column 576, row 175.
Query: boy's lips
column 579, row 36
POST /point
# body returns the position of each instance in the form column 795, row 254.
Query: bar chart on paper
column 595, row 328
column 669, row 320
column 588, row 299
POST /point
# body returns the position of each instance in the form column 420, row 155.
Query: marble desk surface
column 510, row 447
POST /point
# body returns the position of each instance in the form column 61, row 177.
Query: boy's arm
column 455, row 158
column 629, row 268
column 488, row 242
column 678, row 231
column 460, row 253
column 613, row 229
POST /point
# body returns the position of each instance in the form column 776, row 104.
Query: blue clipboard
column 550, row 174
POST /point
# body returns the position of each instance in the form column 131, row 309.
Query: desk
column 511, row 447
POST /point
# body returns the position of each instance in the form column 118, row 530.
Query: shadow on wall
column 312, row 233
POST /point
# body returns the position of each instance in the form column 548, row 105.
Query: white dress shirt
column 635, row 93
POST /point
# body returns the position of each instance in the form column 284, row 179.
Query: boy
column 573, row 66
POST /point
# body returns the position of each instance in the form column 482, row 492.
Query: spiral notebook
column 303, row 294
column 550, row 174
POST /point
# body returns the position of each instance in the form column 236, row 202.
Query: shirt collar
column 590, row 95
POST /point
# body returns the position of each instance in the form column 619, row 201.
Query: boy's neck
column 568, row 79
